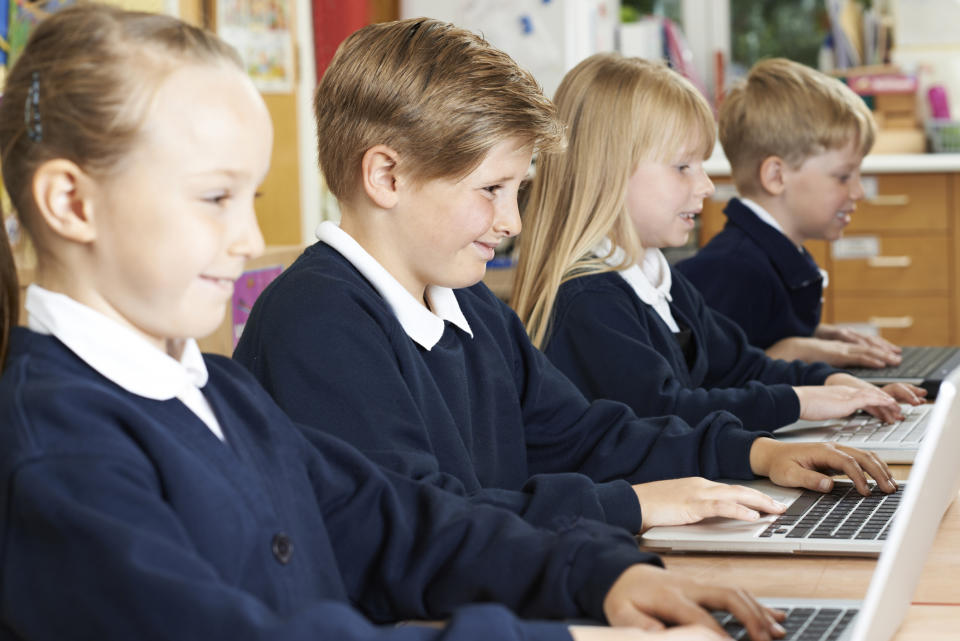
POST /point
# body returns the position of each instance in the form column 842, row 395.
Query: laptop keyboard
column 802, row 624
column 865, row 429
column 916, row 362
column 842, row 513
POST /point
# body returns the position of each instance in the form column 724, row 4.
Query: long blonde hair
column 618, row 111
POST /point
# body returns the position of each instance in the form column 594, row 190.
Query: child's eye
column 493, row 189
column 682, row 168
column 216, row 198
column 844, row 178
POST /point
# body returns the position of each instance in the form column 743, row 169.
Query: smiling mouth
column 487, row 249
column 223, row 283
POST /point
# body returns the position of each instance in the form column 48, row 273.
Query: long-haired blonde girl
column 596, row 293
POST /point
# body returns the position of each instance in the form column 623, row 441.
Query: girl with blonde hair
column 596, row 293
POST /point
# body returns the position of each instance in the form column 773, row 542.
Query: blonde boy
column 795, row 139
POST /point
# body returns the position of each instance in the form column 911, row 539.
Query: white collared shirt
column 765, row 216
column 120, row 355
column 650, row 280
column 422, row 325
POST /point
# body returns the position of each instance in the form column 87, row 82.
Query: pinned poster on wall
column 262, row 32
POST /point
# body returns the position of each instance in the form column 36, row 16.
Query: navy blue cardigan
column 126, row 518
column 756, row 276
column 613, row 345
column 487, row 417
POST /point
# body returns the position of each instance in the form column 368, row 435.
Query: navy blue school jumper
column 613, row 345
column 125, row 518
column 487, row 417
column 756, row 276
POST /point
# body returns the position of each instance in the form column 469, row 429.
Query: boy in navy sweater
column 149, row 492
column 795, row 139
column 381, row 334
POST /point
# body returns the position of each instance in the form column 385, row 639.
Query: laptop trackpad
column 722, row 528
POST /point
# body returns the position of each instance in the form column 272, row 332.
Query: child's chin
column 833, row 234
column 211, row 322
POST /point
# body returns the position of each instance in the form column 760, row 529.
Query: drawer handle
column 889, row 200
column 889, row 261
column 891, row 322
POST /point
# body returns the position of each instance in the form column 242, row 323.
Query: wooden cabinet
column 896, row 267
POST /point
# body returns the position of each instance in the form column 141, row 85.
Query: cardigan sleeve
column 309, row 364
column 734, row 362
column 417, row 535
column 605, row 439
column 602, row 340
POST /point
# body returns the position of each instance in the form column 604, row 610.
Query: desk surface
column 935, row 613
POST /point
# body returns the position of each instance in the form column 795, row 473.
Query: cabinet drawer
column 903, row 320
column 914, row 264
column 904, row 202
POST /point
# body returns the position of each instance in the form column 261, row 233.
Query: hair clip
column 31, row 110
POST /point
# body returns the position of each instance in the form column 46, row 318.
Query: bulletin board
column 278, row 209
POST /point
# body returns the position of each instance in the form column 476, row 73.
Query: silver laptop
column 893, row 442
column 816, row 523
column 926, row 367
column 933, row 485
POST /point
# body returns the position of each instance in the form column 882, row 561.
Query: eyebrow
column 232, row 174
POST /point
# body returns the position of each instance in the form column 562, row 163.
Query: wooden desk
column 929, row 623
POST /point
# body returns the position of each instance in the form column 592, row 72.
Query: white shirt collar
column 120, row 355
column 422, row 325
column 650, row 280
column 765, row 216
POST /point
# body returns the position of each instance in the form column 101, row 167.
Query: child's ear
column 62, row 192
column 772, row 175
column 379, row 175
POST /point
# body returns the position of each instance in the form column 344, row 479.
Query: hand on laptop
column 818, row 402
column 692, row 499
column 891, row 353
column 647, row 597
column 811, row 465
column 834, row 352
column 898, row 392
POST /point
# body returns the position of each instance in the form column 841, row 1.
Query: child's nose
column 249, row 241
column 507, row 219
column 706, row 186
column 856, row 189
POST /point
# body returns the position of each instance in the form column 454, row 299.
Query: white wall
column 547, row 37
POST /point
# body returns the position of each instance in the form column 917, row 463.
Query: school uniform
column 127, row 515
column 755, row 275
column 662, row 350
column 458, row 396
